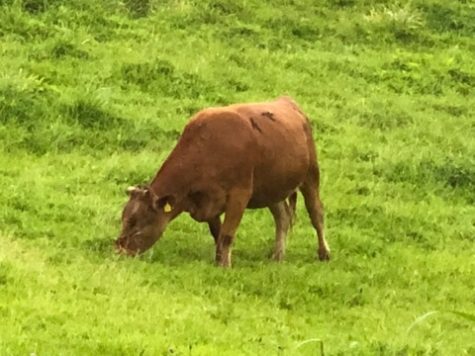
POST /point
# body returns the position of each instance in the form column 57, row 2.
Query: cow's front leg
column 214, row 228
column 237, row 201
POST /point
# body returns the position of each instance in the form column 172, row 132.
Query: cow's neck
column 173, row 178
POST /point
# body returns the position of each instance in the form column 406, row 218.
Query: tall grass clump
column 404, row 22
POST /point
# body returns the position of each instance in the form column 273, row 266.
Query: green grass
column 93, row 95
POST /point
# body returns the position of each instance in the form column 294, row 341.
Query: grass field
column 94, row 94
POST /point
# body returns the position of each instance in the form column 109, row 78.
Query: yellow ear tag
column 167, row 208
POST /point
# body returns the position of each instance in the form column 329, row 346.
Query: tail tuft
column 291, row 207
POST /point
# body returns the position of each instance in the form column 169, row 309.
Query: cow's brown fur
column 229, row 159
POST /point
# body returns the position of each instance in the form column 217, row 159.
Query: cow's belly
column 277, row 178
column 264, row 200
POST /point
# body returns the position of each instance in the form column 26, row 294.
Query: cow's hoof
column 324, row 255
column 224, row 262
column 278, row 256
column 224, row 265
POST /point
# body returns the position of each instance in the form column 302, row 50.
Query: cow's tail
column 291, row 208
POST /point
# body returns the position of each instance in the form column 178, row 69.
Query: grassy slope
column 94, row 94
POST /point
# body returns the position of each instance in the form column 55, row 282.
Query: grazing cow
column 229, row 159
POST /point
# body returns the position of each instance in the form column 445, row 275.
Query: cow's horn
column 131, row 189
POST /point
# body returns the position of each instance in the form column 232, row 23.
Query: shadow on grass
column 175, row 253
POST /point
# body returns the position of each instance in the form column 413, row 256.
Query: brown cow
column 229, row 159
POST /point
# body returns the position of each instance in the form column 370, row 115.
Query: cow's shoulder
column 215, row 116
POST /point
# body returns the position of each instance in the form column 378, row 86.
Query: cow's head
column 144, row 219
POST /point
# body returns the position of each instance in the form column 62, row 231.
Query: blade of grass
column 421, row 319
column 322, row 352
column 424, row 317
column 466, row 316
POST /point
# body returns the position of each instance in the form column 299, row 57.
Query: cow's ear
column 165, row 204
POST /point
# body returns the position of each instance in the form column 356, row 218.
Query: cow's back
column 225, row 146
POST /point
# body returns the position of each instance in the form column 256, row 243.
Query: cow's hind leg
column 282, row 217
column 310, row 192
